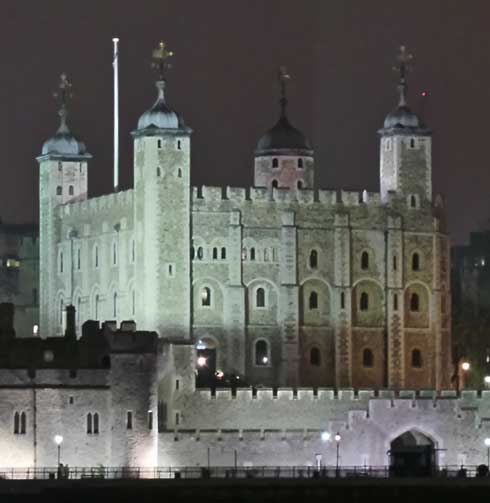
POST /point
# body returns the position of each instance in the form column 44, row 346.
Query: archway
column 412, row 454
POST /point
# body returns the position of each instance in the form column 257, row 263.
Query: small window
column 60, row 166
column 133, row 251
column 364, row 302
column 78, row 260
column 133, row 302
column 150, row 420
column 170, row 270
column 395, row 302
column 412, row 143
column 96, row 256
column 71, row 190
column 414, row 302
column 416, row 358
column 260, row 297
column 275, row 184
column 177, row 384
column 367, row 358
column 96, row 423
column 315, row 357
column 223, row 253
column 59, row 190
column 200, row 253
column 62, row 311
column 313, row 259
column 177, row 418
column 96, row 306
column 71, row 400
column 23, row 423
column 16, row 423
column 193, row 253
column 114, row 305
column 244, row 253
column 252, row 254
column 89, row 423
column 364, row 260
column 313, row 300
column 415, row 262
column 215, row 253
column 179, row 145
column 114, row 254
column 261, row 353
column 275, row 162
column 394, row 263
column 206, row 297
column 159, row 172
column 266, row 255
column 179, row 173
column 342, row 300
column 413, row 201
column 300, row 184
column 61, row 262
column 300, row 163
column 159, row 143
column 388, row 144
column 129, row 420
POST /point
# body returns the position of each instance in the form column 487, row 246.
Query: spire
column 283, row 78
column 403, row 67
column 160, row 55
column 63, row 95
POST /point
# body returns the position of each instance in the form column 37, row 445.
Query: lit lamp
column 338, row 438
column 325, row 436
column 201, row 361
column 487, row 443
column 465, row 366
column 58, row 439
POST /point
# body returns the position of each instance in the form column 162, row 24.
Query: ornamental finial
column 160, row 55
column 62, row 96
column 404, row 65
column 283, row 78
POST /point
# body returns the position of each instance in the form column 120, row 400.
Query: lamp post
column 58, row 439
column 487, row 443
column 338, row 438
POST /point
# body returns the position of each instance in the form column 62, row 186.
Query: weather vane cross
column 64, row 90
column 160, row 56
column 283, row 78
column 404, row 63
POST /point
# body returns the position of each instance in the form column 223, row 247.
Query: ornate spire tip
column 160, row 55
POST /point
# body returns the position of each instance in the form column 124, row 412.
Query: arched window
column 59, row 190
column 415, row 262
column 367, row 358
column 300, row 184
column 275, row 184
column 412, row 143
column 71, row 190
column 313, row 259
column 179, row 145
column 200, row 253
column 96, row 423
column 262, row 357
column 300, row 163
column 114, row 305
column 364, row 260
column 206, row 296
column 313, row 301
column 159, row 143
column 260, row 297
column 413, row 201
column 159, row 172
column 416, row 358
column 252, row 253
column 395, row 302
column 244, row 253
column 89, row 423
column 414, row 302
column 223, row 253
column 275, row 162
column 16, row 423
column 364, row 302
column 315, row 357
column 179, row 173
column 215, row 253
column 23, row 423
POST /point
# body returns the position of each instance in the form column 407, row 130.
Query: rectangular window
column 394, row 262
column 129, row 420
column 159, row 143
column 71, row 400
column 342, row 300
column 150, row 420
column 177, row 418
column 177, row 384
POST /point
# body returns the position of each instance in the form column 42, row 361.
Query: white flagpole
column 115, row 63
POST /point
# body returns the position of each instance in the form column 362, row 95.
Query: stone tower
column 63, row 165
column 405, row 149
column 162, row 214
column 284, row 157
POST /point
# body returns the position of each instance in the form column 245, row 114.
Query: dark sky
column 223, row 82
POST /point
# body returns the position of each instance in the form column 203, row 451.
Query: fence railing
column 224, row 472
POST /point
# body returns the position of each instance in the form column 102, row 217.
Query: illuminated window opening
column 262, row 357
column 206, row 297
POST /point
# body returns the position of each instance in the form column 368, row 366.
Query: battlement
column 324, row 197
column 123, row 200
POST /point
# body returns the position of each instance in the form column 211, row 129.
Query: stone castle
column 313, row 297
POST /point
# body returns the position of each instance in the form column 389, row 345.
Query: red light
column 423, row 94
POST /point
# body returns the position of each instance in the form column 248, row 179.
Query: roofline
column 63, row 157
column 284, row 151
column 156, row 131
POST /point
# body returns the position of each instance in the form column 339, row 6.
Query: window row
column 415, row 261
column 207, row 297
column 216, row 253
column 275, row 184
column 71, row 190
column 159, row 172
column 299, row 163
column 262, row 357
column 414, row 303
column 178, row 144
column 369, row 362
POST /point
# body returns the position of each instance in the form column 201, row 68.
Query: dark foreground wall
column 246, row 491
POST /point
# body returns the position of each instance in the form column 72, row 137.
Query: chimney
column 70, row 332
column 7, row 311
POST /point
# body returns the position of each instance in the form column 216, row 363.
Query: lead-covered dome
column 402, row 117
column 283, row 136
column 63, row 142
column 160, row 115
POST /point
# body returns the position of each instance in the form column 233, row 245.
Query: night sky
column 224, row 83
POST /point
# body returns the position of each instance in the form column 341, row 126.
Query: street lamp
column 338, row 438
column 325, row 436
column 465, row 366
column 58, row 439
column 487, row 443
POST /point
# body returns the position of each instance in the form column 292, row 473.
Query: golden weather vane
column 64, row 92
column 160, row 57
column 404, row 63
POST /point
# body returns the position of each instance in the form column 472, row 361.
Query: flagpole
column 115, row 64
